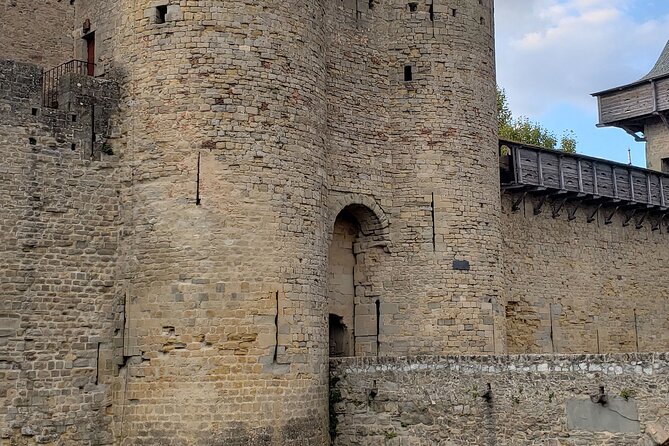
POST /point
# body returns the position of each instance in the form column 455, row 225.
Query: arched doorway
column 359, row 243
column 341, row 286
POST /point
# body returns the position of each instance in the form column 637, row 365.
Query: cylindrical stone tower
column 224, row 118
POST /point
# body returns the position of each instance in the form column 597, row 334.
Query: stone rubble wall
column 58, row 242
column 501, row 400
column 579, row 287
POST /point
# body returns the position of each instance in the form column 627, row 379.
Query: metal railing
column 51, row 78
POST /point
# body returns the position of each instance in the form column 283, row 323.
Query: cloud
column 559, row 51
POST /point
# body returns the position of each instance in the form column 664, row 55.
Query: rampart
column 59, row 233
column 574, row 286
column 501, row 400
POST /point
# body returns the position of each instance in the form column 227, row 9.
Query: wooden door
column 90, row 53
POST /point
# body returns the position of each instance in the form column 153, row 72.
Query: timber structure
column 582, row 179
column 641, row 108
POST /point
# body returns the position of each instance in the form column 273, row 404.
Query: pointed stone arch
column 374, row 223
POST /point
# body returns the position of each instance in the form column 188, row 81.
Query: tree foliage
column 522, row 129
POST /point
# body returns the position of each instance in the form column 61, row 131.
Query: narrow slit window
column 665, row 165
column 454, row 12
column 408, row 73
column 161, row 13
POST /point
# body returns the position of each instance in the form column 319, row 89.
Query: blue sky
column 552, row 54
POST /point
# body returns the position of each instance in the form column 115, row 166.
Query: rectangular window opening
column 408, row 73
column 74, row 118
column 34, row 112
column 161, row 13
column 665, row 165
column 413, row 6
column 454, row 12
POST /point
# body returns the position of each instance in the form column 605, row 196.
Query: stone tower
column 296, row 179
column 641, row 109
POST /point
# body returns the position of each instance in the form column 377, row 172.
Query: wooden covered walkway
column 565, row 177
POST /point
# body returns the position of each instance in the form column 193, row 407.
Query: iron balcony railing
column 51, row 79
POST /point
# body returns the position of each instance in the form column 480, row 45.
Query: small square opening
column 34, row 112
column 73, row 146
column 161, row 14
column 413, row 6
column 32, row 141
column 408, row 73
column 665, row 165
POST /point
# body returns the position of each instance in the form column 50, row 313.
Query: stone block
column 659, row 431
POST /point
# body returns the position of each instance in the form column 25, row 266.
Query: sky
column 552, row 54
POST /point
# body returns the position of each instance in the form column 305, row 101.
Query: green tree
column 522, row 129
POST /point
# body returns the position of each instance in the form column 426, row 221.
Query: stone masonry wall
column 58, row 240
column 37, row 31
column 657, row 145
column 421, row 150
column 579, row 287
column 501, row 400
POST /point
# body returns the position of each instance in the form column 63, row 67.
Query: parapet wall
column 579, row 287
column 501, row 400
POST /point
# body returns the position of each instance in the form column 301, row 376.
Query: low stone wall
column 501, row 400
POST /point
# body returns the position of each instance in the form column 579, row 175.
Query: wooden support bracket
column 609, row 218
column 639, row 222
column 516, row 204
column 629, row 217
column 557, row 207
column 658, row 224
column 571, row 215
column 538, row 208
column 592, row 216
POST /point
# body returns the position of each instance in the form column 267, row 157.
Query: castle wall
column 501, row 400
column 579, row 287
column 657, row 146
column 59, row 234
column 37, row 31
